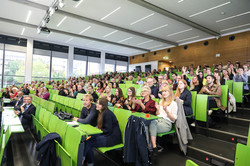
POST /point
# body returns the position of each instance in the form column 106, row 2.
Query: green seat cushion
column 105, row 149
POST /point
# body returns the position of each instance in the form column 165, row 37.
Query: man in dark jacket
column 92, row 92
column 89, row 113
column 18, row 101
column 154, row 89
column 80, row 89
column 26, row 112
column 26, row 91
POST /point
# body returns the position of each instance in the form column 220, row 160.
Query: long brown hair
column 178, row 91
column 120, row 94
column 133, row 91
column 104, row 102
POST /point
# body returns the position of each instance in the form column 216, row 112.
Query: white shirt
column 172, row 108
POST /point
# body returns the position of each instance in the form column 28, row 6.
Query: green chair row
column 71, row 150
column 4, row 138
column 50, row 106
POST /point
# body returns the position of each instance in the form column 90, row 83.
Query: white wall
column 154, row 65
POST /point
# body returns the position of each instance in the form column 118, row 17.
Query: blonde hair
column 88, row 96
column 147, row 89
column 167, row 101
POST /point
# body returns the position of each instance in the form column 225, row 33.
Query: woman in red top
column 146, row 105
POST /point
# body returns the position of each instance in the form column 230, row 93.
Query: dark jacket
column 26, row 91
column 62, row 93
column 186, row 96
column 47, row 151
column 154, row 91
column 17, row 104
column 135, row 147
column 111, row 129
column 149, row 107
column 89, row 116
column 95, row 97
column 82, row 91
column 26, row 119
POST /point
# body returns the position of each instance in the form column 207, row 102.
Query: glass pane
column 79, row 68
column 41, row 65
column 109, row 68
column 93, row 68
column 121, row 68
column 59, row 68
column 43, row 79
column 11, row 80
column 14, row 63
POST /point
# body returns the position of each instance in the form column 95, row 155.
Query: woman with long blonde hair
column 167, row 109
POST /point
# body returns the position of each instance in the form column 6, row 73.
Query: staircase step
column 211, row 150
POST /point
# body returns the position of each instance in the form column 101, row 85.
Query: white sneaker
column 210, row 112
column 192, row 124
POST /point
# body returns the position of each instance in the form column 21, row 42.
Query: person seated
column 100, row 87
column 45, row 94
column 217, row 77
column 62, row 91
column 146, row 105
column 115, row 85
column 80, row 89
column 167, row 109
column 118, row 100
column 92, row 92
column 185, row 97
column 241, row 77
column 6, row 94
column 26, row 112
column 18, row 101
column 111, row 135
column 160, row 79
column 26, row 91
column 139, row 81
column 89, row 113
column 195, row 84
column 109, row 94
column 174, row 82
column 128, row 104
column 225, row 77
column 154, row 90
column 212, row 89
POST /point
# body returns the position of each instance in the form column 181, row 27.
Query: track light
column 38, row 30
column 61, row 4
column 51, row 11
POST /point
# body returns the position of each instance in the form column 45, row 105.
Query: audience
column 118, row 99
column 128, row 104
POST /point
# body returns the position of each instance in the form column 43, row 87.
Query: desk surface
column 7, row 101
column 12, row 120
column 143, row 115
column 87, row 129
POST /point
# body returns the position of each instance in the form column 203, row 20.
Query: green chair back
column 191, row 163
column 52, row 123
column 73, row 139
column 78, row 104
column 122, row 116
column 193, row 104
column 224, row 96
column 51, row 107
column 129, row 82
column 248, row 138
column 79, row 96
column 201, row 107
column 229, row 83
column 122, row 86
column 156, row 100
column 46, row 119
column 242, row 155
column 238, row 91
column 61, row 128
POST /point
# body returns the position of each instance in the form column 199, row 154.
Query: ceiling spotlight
column 51, row 11
column 38, row 30
column 61, row 4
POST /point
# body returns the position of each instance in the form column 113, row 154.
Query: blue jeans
column 94, row 141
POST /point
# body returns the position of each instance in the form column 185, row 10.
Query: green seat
column 70, row 105
column 248, row 138
column 122, row 86
column 79, row 96
column 76, row 149
column 242, row 155
column 52, row 124
column 60, row 103
column 65, row 157
column 173, row 130
column 77, row 108
column 122, row 118
column 238, row 91
column 201, row 108
column 51, row 107
column 61, row 128
column 4, row 140
column 129, row 82
column 156, row 100
column 193, row 104
column 191, row 163
column 45, row 123
column 138, row 92
column 65, row 103
column 229, row 83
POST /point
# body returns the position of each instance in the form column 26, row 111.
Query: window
column 59, row 65
column 79, row 68
column 1, row 63
column 109, row 68
column 121, row 68
column 40, row 67
column 14, row 66
column 93, row 68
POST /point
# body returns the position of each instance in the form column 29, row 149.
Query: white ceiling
column 144, row 28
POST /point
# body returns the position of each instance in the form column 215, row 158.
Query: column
column 102, row 63
column 70, row 61
column 28, row 61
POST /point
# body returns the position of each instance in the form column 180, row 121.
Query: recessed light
column 125, row 39
column 110, row 13
column 180, row 32
column 215, row 7
column 155, row 46
column 64, row 18
column 233, row 16
column 156, row 28
column 69, row 40
column 110, row 33
column 85, row 29
column 142, row 19
column 187, row 39
column 23, row 31
column 235, row 27
column 28, row 16
column 180, row 1
column 78, row 3
column 145, row 42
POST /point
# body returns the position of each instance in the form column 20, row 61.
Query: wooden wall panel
column 198, row 54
